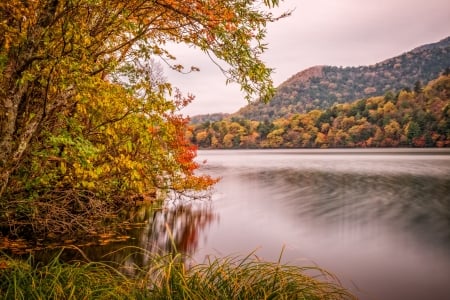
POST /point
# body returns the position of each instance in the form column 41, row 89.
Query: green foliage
column 418, row 119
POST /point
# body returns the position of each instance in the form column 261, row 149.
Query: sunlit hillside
column 320, row 87
column 417, row 118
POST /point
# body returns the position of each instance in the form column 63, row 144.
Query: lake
column 379, row 219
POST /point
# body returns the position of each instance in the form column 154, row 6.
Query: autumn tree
column 79, row 103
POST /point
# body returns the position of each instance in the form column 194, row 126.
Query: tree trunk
column 17, row 128
column 22, row 101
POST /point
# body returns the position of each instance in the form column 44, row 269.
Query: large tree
column 86, row 119
column 54, row 52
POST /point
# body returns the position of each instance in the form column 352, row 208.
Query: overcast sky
column 321, row 32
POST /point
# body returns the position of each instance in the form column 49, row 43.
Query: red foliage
column 419, row 141
column 183, row 150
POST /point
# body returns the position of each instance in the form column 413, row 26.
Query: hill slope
column 418, row 118
column 321, row 87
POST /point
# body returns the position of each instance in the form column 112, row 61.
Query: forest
column 413, row 117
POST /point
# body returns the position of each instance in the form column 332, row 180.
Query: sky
column 319, row 32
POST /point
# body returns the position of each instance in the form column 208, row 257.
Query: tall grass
column 25, row 280
column 167, row 277
column 241, row 278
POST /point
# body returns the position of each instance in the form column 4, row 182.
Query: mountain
column 320, row 87
column 418, row 118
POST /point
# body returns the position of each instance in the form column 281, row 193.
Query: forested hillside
column 323, row 86
column 409, row 118
column 208, row 117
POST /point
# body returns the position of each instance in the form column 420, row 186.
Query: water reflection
column 176, row 227
column 378, row 219
column 182, row 223
column 408, row 203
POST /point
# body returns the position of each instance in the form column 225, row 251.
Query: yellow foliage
column 82, row 69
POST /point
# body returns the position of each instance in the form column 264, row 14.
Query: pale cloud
column 321, row 32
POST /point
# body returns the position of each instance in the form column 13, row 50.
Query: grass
column 21, row 279
column 167, row 277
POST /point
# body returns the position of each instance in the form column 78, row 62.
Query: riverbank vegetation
column 88, row 123
column 167, row 277
column 417, row 117
column 89, row 126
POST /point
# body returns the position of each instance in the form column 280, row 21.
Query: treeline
column 410, row 118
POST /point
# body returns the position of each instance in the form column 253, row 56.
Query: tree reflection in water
column 184, row 223
column 175, row 227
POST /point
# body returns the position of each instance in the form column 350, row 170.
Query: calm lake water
column 377, row 218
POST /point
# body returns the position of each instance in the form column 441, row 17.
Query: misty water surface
column 379, row 219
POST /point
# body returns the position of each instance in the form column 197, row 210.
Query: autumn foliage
column 86, row 120
column 409, row 118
